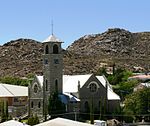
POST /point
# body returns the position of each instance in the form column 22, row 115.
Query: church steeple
column 52, row 68
column 52, row 65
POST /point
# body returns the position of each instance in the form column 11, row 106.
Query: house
column 141, row 77
column 16, row 97
column 141, row 86
column 75, row 91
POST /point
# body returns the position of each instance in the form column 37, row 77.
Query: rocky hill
column 85, row 55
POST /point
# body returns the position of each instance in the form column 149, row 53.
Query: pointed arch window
column 56, row 85
column 93, row 87
column 32, row 104
column 46, row 85
column 55, row 49
column 86, row 106
column 46, row 49
column 39, row 105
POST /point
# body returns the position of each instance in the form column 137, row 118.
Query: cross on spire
column 52, row 26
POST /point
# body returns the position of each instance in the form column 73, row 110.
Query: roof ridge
column 7, row 89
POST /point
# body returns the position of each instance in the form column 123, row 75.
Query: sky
column 72, row 19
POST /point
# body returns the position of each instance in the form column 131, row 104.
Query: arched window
column 39, row 105
column 93, row 87
column 55, row 49
column 56, row 85
column 86, row 106
column 35, row 88
column 32, row 104
column 46, row 50
column 46, row 85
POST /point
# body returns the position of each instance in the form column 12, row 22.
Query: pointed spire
column 52, row 26
column 52, row 37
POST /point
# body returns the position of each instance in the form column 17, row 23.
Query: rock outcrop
column 85, row 55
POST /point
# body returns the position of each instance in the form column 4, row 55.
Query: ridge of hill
column 85, row 55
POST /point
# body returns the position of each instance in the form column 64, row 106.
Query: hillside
column 85, row 55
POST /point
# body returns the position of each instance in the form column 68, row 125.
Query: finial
column 52, row 26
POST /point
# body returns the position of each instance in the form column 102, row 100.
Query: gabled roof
column 52, row 38
column 70, row 84
column 62, row 122
column 7, row 90
column 40, row 80
column 12, row 123
column 111, row 95
column 146, row 85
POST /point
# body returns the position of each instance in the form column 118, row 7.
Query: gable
column 71, row 82
column 36, row 91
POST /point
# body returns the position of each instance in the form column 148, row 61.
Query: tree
column 120, row 75
column 14, row 81
column 92, row 111
column 137, row 103
column 4, row 110
column 55, row 105
column 125, row 88
column 33, row 120
column 102, row 71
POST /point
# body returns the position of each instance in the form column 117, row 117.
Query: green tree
column 125, row 88
column 102, row 71
column 4, row 110
column 120, row 75
column 14, row 81
column 137, row 103
column 92, row 111
column 33, row 120
column 55, row 105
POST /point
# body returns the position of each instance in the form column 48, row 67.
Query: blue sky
column 72, row 18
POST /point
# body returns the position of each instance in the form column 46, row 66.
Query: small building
column 140, row 77
column 141, row 86
column 16, row 97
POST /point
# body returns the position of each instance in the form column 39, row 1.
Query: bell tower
column 52, row 69
column 52, row 66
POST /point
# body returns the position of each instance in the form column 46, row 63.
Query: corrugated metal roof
column 52, row 38
column 7, row 90
column 111, row 95
column 63, row 122
column 12, row 123
column 40, row 79
column 70, row 84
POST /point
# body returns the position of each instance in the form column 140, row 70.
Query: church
column 75, row 91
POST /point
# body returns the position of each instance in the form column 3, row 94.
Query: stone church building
column 74, row 90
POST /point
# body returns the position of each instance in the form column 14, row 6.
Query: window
column 16, row 100
column 35, row 88
column 86, row 106
column 55, row 49
column 46, row 85
column 46, row 50
column 56, row 61
column 32, row 104
column 39, row 105
column 93, row 87
column 56, row 85
column 46, row 61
